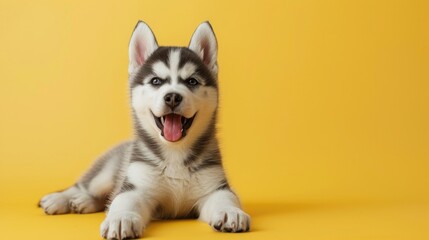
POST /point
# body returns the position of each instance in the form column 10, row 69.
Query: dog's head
column 174, row 91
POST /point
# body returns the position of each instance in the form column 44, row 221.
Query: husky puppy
column 173, row 167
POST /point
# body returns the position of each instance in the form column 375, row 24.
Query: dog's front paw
column 230, row 219
column 83, row 203
column 122, row 225
column 55, row 203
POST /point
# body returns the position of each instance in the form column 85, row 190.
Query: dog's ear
column 204, row 44
column 142, row 45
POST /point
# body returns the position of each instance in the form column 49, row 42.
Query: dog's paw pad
column 123, row 225
column 230, row 220
column 55, row 203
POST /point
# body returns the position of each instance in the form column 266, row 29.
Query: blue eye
column 192, row 81
column 156, row 81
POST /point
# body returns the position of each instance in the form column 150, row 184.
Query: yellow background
column 324, row 116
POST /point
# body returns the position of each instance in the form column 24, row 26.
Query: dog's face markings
column 173, row 89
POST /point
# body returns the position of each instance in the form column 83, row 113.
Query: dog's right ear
column 142, row 45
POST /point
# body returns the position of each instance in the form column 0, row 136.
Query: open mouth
column 173, row 126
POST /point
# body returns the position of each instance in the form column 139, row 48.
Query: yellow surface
column 324, row 118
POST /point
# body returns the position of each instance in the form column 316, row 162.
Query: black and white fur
column 151, row 177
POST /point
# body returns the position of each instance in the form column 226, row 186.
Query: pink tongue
column 173, row 127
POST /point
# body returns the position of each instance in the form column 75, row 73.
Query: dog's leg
column 132, row 208
column 90, row 192
column 222, row 211
column 128, row 215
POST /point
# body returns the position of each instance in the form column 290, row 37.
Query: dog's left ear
column 204, row 44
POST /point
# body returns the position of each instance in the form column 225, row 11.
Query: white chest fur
column 178, row 182
column 174, row 169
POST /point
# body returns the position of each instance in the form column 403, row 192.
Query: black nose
column 172, row 99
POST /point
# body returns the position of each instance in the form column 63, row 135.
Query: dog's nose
column 172, row 99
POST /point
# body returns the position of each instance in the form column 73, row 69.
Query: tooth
column 163, row 120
